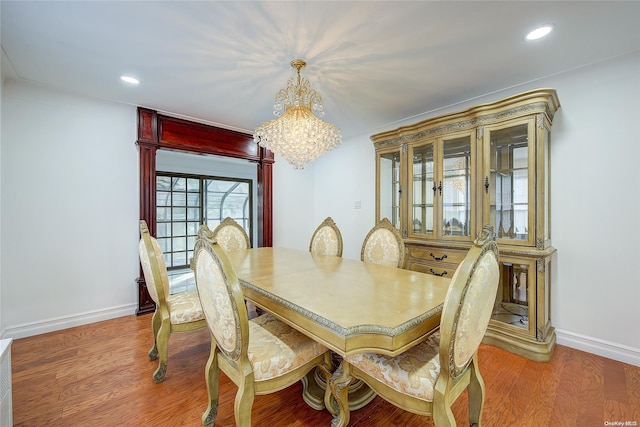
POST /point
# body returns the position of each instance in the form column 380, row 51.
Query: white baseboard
column 64, row 322
column 610, row 350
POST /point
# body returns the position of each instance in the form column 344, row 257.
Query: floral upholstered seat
column 231, row 236
column 184, row 307
column 179, row 312
column 383, row 245
column 261, row 355
column 276, row 349
column 413, row 372
column 326, row 239
column 429, row 377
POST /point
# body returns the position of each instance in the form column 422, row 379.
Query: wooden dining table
column 349, row 306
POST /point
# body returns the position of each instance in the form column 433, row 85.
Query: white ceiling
column 374, row 62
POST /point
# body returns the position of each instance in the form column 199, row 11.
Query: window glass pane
column 163, row 214
column 179, row 243
column 193, row 199
column 193, row 214
column 163, row 229
column 179, row 229
column 192, row 228
column 165, row 245
column 179, row 258
column 213, row 215
column 179, row 214
column 179, row 184
column 163, row 198
column 163, row 183
column 213, row 223
column 226, row 198
column 193, row 185
column 179, row 199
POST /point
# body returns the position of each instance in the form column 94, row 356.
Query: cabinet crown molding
column 543, row 101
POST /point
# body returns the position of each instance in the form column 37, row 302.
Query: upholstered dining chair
column 231, row 236
column 179, row 312
column 326, row 239
column 261, row 355
column 429, row 377
column 383, row 245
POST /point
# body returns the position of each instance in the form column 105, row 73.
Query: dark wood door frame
column 160, row 132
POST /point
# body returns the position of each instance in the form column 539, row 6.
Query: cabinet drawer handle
column 438, row 258
column 444, row 273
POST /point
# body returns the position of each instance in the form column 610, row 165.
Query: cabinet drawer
column 437, row 254
column 438, row 269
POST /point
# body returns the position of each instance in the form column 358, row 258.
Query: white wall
column 344, row 179
column 595, row 209
column 595, row 202
column 293, row 199
column 69, row 210
column 330, row 186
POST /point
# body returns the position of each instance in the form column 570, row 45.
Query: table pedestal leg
column 360, row 394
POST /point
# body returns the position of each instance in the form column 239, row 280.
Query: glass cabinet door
column 543, row 200
column 423, row 190
column 455, row 187
column 509, row 185
column 441, row 188
column 515, row 292
column 389, row 186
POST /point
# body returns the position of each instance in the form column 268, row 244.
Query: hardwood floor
column 100, row 375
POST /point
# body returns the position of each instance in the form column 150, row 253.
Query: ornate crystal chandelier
column 298, row 135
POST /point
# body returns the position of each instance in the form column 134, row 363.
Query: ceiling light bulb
column 130, row 79
column 540, row 32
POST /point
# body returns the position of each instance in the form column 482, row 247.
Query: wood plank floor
column 99, row 375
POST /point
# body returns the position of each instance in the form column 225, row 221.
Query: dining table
column 350, row 306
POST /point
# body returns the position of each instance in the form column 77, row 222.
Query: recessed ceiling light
column 540, row 32
column 130, row 79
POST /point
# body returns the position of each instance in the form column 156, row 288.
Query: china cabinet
column 440, row 180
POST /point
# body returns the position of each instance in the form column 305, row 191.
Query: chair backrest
column 383, row 245
column 469, row 303
column 326, row 239
column 231, row 236
column 220, row 296
column 153, row 266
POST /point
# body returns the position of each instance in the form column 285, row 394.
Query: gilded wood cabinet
column 440, row 180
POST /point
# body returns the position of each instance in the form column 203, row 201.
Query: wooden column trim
column 147, row 143
column 157, row 131
column 265, row 194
